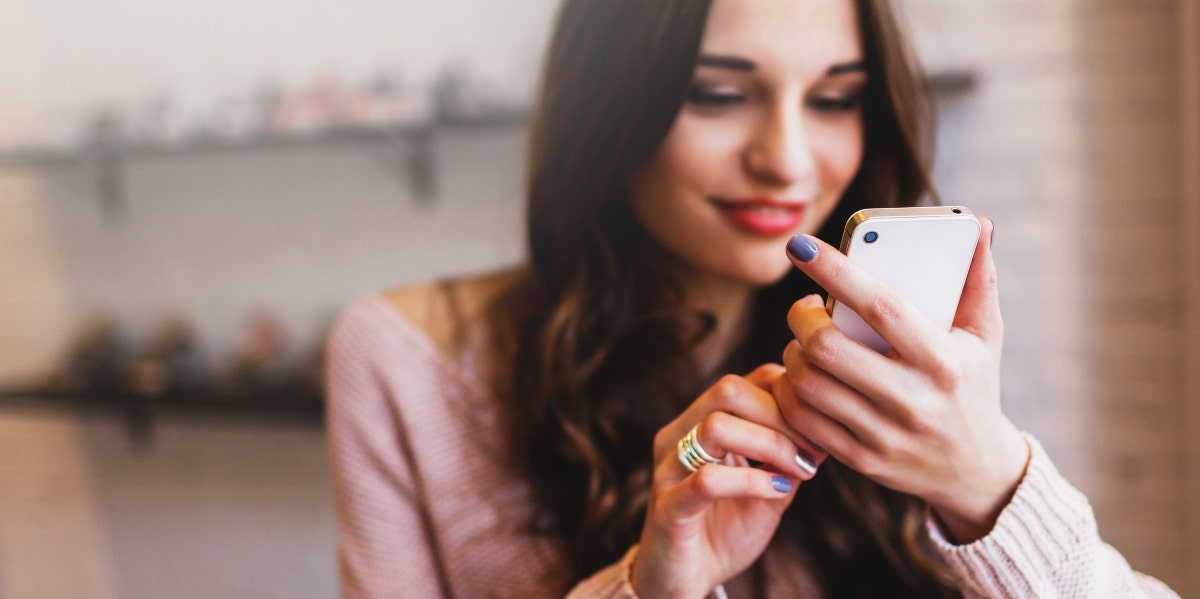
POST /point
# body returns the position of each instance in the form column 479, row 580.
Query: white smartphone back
column 924, row 253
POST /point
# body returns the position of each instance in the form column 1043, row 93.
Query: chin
column 758, row 270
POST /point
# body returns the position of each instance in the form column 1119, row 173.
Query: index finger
column 880, row 306
column 750, row 400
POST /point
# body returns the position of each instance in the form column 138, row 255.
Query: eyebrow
column 736, row 63
column 857, row 66
column 732, row 63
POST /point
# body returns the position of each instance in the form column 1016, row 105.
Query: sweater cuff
column 1042, row 527
column 613, row 582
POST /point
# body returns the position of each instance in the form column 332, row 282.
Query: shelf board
column 335, row 135
column 144, row 411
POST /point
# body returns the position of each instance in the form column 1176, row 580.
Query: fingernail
column 806, row 464
column 992, row 241
column 802, row 248
column 781, row 484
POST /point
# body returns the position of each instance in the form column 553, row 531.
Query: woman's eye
column 834, row 105
column 713, row 98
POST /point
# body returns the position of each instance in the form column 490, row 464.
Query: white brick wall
column 1189, row 112
column 1070, row 144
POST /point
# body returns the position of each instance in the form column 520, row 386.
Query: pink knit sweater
column 428, row 506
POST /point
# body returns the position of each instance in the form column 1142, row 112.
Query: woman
column 572, row 426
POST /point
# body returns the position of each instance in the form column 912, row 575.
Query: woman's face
column 768, row 139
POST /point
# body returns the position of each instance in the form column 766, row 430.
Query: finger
column 832, row 397
column 737, row 396
column 831, row 350
column 695, row 494
column 885, row 310
column 979, row 309
column 721, row 434
column 834, row 438
column 764, row 376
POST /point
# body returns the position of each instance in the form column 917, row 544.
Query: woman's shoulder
column 451, row 313
column 446, row 322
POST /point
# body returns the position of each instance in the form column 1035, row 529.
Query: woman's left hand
column 924, row 419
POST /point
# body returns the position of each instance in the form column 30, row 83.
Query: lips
column 768, row 217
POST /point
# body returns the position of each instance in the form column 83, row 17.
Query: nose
column 781, row 151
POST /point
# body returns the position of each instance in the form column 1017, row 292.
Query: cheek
column 842, row 152
column 683, row 171
column 839, row 159
column 695, row 153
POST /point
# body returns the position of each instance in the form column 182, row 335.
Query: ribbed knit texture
column 428, row 504
column 1044, row 544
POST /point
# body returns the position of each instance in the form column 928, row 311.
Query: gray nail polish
column 781, row 484
column 802, row 248
column 807, row 464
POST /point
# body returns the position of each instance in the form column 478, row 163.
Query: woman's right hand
column 704, row 527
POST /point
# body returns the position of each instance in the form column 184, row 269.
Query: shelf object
column 107, row 155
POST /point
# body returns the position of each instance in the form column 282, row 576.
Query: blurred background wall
column 1066, row 127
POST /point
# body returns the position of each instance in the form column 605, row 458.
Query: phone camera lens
column 870, row 237
column 956, row 211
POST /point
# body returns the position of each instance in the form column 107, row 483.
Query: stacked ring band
column 691, row 455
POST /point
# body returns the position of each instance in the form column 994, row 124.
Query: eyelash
column 713, row 99
column 703, row 98
column 835, row 105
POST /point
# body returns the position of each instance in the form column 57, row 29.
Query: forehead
column 794, row 35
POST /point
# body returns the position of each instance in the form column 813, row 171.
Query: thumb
column 979, row 309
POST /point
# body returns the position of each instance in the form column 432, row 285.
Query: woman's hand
column 924, row 419
column 705, row 527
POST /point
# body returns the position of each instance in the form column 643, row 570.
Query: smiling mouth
column 763, row 217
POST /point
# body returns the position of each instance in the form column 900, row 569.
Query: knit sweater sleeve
column 1044, row 544
column 383, row 548
column 612, row 582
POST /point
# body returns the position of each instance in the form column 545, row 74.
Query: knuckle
column 920, row 420
column 906, row 415
column 946, row 372
column 804, row 384
column 726, row 390
column 711, row 430
column 823, row 346
column 883, row 308
column 706, row 482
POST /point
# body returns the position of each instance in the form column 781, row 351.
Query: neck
column 729, row 303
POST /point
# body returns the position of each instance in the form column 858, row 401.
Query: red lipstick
column 769, row 217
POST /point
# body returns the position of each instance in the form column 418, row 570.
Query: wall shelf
column 108, row 158
column 140, row 414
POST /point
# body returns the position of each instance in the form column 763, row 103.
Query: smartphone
column 922, row 252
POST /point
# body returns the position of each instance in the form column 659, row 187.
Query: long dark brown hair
column 594, row 344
